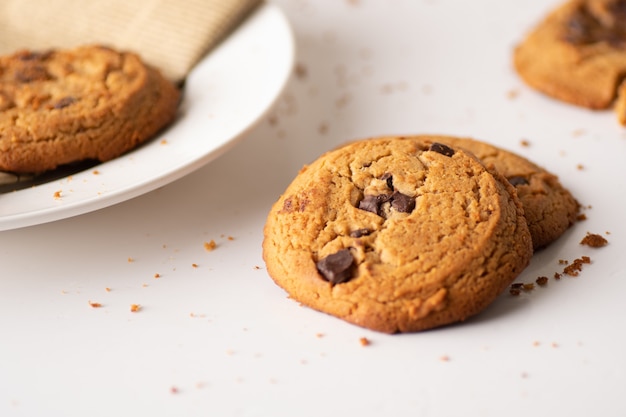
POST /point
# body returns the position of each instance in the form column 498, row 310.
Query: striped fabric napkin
column 172, row 35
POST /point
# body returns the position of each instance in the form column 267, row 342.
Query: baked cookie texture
column 397, row 234
column 549, row 208
column 91, row 102
column 577, row 54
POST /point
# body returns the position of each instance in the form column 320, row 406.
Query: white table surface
column 220, row 339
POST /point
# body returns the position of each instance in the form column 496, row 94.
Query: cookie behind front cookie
column 91, row 102
column 397, row 235
column 549, row 208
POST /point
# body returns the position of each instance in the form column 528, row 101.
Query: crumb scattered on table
column 594, row 240
column 210, row 246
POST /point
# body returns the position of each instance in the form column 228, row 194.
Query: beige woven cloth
column 170, row 34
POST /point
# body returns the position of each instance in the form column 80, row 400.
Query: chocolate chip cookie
column 549, row 208
column 397, row 234
column 577, row 54
column 64, row 106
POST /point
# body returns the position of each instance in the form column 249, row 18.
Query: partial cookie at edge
column 64, row 106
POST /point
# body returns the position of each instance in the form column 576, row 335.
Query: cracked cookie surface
column 64, row 106
column 549, row 208
column 396, row 235
column 577, row 54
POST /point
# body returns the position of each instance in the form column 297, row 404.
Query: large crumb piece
column 210, row 246
column 594, row 240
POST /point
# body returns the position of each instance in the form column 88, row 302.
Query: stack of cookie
column 403, row 234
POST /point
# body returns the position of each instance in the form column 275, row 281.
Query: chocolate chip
column 442, row 149
column 518, row 180
column 389, row 179
column 31, row 73
column 360, row 232
column 373, row 203
column 402, row 203
column 32, row 56
column 336, row 268
column 64, row 102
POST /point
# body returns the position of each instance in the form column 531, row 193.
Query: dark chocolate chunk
column 360, row 232
column 389, row 179
column 33, row 56
column 402, row 203
column 373, row 203
column 336, row 268
column 64, row 102
column 583, row 28
column 442, row 149
column 31, row 73
column 518, row 180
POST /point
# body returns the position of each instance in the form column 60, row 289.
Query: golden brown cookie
column 63, row 106
column 549, row 208
column 577, row 54
column 397, row 235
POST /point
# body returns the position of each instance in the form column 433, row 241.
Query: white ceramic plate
column 225, row 95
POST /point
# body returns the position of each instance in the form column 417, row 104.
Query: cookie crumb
column 157, row 275
column 301, row 71
column 557, row 275
column 580, row 167
column 135, row 308
column 525, row 143
column 107, row 289
column 194, row 265
column 57, row 195
column 444, row 358
column 365, row 341
column 174, row 390
column 130, row 259
column 319, row 335
column 512, row 94
column 542, row 281
column 164, row 142
column 594, row 240
column 576, row 266
column 581, row 217
column 210, row 246
column 94, row 304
